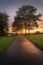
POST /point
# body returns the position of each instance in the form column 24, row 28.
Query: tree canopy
column 26, row 17
column 3, row 22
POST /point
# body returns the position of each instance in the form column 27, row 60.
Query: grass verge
column 4, row 42
column 37, row 39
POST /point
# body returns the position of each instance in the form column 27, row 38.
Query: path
column 22, row 52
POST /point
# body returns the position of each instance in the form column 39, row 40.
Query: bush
column 38, row 32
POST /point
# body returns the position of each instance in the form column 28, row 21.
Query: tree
column 26, row 17
column 17, row 25
column 3, row 23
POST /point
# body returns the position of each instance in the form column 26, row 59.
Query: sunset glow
column 27, row 31
column 40, row 28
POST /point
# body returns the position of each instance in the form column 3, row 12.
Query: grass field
column 4, row 42
column 37, row 39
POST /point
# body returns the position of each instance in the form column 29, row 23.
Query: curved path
column 22, row 52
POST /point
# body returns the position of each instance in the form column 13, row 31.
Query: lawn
column 4, row 42
column 37, row 39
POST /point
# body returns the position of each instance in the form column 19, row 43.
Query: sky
column 11, row 6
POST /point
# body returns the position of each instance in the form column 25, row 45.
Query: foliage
column 26, row 17
column 3, row 23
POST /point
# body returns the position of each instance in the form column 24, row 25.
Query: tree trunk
column 17, row 32
column 21, row 31
column 25, row 31
column 2, row 33
column 28, row 30
column 25, row 28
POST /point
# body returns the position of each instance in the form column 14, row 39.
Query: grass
column 4, row 42
column 37, row 39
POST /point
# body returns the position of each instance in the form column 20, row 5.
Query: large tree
column 17, row 25
column 26, row 17
column 3, row 22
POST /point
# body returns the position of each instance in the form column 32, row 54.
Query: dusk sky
column 11, row 6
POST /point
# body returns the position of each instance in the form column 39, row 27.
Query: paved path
column 22, row 52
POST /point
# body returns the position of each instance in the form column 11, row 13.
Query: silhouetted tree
column 3, row 23
column 17, row 24
column 26, row 17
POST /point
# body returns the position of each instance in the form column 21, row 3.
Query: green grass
column 37, row 39
column 4, row 42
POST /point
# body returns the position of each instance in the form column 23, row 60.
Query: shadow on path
column 22, row 52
